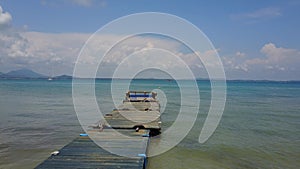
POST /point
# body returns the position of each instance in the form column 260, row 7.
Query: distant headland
column 29, row 74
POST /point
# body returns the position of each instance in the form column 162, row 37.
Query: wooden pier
column 138, row 118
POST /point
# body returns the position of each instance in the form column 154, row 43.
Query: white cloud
column 40, row 51
column 45, row 51
column 275, row 63
column 54, row 52
column 79, row 3
column 5, row 18
column 264, row 13
column 85, row 3
column 277, row 57
column 240, row 54
column 260, row 14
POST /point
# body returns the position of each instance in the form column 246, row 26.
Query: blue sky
column 255, row 39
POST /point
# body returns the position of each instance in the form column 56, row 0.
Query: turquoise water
column 259, row 129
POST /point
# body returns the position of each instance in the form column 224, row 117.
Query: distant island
column 29, row 74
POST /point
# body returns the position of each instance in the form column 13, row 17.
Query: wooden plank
column 84, row 153
column 116, row 136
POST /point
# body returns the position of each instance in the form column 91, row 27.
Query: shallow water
column 259, row 129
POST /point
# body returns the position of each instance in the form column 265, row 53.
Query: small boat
column 49, row 79
column 139, row 110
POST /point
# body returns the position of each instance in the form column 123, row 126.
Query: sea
column 259, row 128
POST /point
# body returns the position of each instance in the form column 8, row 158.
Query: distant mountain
column 22, row 73
column 63, row 77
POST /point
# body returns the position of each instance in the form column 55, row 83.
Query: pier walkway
column 138, row 117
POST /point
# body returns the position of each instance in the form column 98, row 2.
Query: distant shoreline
column 29, row 74
column 71, row 78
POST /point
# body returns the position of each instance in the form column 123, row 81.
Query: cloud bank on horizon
column 56, row 53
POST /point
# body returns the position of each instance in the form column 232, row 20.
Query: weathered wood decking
column 138, row 118
column 84, row 153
